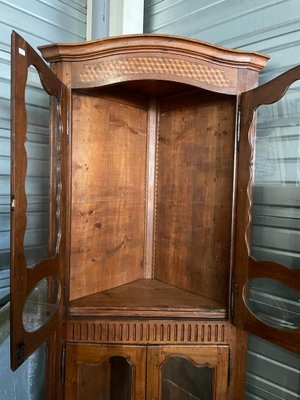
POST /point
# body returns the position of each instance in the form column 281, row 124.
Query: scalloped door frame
column 246, row 267
column 23, row 279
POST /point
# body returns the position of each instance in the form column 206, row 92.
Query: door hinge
column 63, row 365
column 68, row 135
column 229, row 368
column 12, row 203
column 238, row 127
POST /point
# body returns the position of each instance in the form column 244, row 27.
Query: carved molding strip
column 145, row 332
column 114, row 68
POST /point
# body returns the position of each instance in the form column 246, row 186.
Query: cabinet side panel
column 108, row 194
column 194, row 196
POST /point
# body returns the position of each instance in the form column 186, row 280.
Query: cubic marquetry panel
column 141, row 332
column 109, row 70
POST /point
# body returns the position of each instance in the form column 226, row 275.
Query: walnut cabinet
column 146, row 372
column 141, row 285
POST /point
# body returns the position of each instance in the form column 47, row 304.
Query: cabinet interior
column 152, row 182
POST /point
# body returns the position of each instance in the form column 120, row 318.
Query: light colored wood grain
column 194, row 195
column 146, row 297
column 108, row 194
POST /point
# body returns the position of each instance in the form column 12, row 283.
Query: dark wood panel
column 81, row 385
column 194, row 197
column 108, row 184
column 146, row 297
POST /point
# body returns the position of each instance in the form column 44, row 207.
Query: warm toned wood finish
column 198, row 212
column 134, row 43
column 246, row 267
column 160, row 57
column 81, row 384
column 194, row 196
column 23, row 279
column 169, row 332
column 150, row 331
column 56, row 344
column 149, row 210
column 88, row 355
column 214, row 357
column 108, row 194
column 146, row 297
column 151, row 188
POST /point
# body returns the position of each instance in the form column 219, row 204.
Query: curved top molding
column 135, row 44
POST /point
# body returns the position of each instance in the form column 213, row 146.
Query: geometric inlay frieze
column 114, row 68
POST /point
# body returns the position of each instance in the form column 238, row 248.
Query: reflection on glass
column 109, row 380
column 276, row 206
column 183, row 380
column 274, row 303
column 37, row 241
column 41, row 304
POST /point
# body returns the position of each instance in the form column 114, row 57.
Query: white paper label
column 22, row 51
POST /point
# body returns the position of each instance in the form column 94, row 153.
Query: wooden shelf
column 144, row 298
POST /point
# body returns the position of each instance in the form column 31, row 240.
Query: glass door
column 105, row 372
column 38, row 201
column 186, row 373
column 267, row 259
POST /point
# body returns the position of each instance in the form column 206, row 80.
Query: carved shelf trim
column 146, row 332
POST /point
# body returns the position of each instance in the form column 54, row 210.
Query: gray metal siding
column 39, row 22
column 271, row 27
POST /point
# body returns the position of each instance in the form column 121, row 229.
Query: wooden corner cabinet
column 141, row 285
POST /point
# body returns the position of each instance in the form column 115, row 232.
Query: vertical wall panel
column 271, row 27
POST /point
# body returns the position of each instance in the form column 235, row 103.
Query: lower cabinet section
column 99, row 372
column 187, row 373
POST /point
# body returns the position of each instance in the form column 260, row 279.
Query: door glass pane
column 276, row 203
column 41, row 182
column 274, row 303
column 275, row 230
column 184, row 380
column 109, row 380
column 41, row 304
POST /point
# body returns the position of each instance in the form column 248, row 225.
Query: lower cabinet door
column 96, row 372
column 187, row 373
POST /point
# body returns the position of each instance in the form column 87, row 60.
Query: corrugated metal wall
column 39, row 22
column 272, row 27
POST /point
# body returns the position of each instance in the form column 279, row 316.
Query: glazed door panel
column 186, row 373
column 38, row 202
column 105, row 372
column 267, row 273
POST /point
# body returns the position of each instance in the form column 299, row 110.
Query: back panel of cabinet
column 108, row 193
column 114, row 135
column 195, row 159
